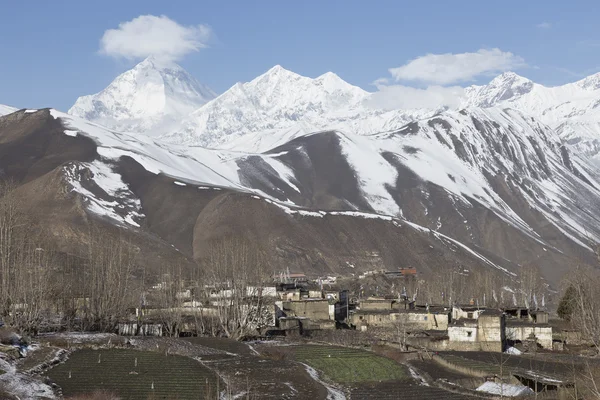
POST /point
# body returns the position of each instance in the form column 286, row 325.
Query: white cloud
column 544, row 25
column 149, row 35
column 405, row 97
column 444, row 69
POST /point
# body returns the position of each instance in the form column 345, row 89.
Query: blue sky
column 50, row 50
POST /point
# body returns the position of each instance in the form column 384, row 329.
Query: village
column 294, row 305
column 458, row 337
column 454, row 350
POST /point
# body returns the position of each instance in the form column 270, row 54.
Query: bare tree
column 586, row 303
column 235, row 277
column 107, row 280
column 531, row 284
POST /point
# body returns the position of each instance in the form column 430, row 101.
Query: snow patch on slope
column 122, row 207
column 332, row 392
column 215, row 168
column 373, row 172
column 21, row 385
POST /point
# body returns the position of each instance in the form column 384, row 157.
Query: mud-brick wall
column 522, row 332
column 313, row 309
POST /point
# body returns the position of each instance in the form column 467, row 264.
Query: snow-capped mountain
column 496, row 183
column 480, row 188
column 6, row 109
column 149, row 98
column 572, row 109
column 283, row 101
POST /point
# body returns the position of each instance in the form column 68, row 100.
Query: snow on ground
column 543, row 377
column 187, row 163
column 373, row 172
column 79, row 337
column 21, row 385
column 125, row 209
column 285, row 173
column 415, row 375
column 513, row 350
column 332, row 392
column 505, row 389
column 262, row 141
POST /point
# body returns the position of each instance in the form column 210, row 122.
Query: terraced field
column 404, row 391
column 437, row 371
column 481, row 366
column 156, row 375
column 344, row 365
column 490, row 363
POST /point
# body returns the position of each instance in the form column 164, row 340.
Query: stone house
column 523, row 325
column 519, row 331
column 376, row 304
column 466, row 312
column 301, row 326
column 315, row 309
column 290, row 295
column 410, row 320
column 486, row 333
column 302, row 316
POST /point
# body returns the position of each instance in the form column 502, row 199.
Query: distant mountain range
column 163, row 100
column 318, row 178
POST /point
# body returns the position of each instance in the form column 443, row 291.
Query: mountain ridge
column 148, row 98
column 573, row 109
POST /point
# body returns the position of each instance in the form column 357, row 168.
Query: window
column 470, row 315
column 469, row 334
column 425, row 318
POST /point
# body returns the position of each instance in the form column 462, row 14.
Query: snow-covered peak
column 148, row 98
column 509, row 78
column 505, row 87
column 572, row 109
column 153, row 62
column 278, row 72
column 279, row 99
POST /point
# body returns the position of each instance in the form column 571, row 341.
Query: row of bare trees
column 25, row 288
column 485, row 286
column 235, row 274
column 41, row 285
column 96, row 288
